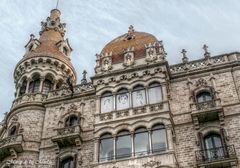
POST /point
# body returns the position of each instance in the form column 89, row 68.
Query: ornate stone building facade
column 137, row 112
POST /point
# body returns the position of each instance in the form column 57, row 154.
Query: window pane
column 141, row 143
column 159, row 140
column 68, row 163
column 122, row 101
column 47, row 86
column 123, row 146
column 106, row 104
column 106, row 149
column 203, row 97
column 139, row 98
column 155, row 95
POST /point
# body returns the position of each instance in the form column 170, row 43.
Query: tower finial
column 57, row 4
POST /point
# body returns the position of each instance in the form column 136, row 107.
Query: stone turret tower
column 44, row 67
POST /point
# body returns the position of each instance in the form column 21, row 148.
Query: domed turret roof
column 134, row 39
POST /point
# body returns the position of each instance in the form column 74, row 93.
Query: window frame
column 161, row 127
column 105, row 136
column 151, row 86
column 104, row 95
column 135, row 89
column 122, row 91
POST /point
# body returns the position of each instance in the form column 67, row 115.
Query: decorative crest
column 185, row 58
column 201, row 82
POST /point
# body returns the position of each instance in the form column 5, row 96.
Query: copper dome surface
column 119, row 44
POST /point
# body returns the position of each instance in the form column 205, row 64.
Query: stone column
column 114, row 101
column 98, row 101
column 169, row 137
column 28, row 83
column 54, row 84
column 150, row 140
column 130, row 99
column 132, row 142
column 18, row 90
column 164, row 92
column 96, row 149
column 41, row 83
column 114, row 146
column 146, row 96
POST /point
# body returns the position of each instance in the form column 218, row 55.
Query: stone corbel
column 13, row 153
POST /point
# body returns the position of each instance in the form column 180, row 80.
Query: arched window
column 123, row 145
column 71, row 121
column 65, row 51
column 106, row 148
column 204, row 96
column 68, row 163
column 122, row 99
column 13, row 131
column 34, row 85
column 214, row 146
column 138, row 96
column 159, row 138
column 155, row 93
column 23, row 88
column 106, row 102
column 47, row 86
column 141, row 142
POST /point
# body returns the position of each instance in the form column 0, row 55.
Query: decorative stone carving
column 32, row 44
column 72, row 108
column 53, row 23
column 151, row 54
column 184, row 58
column 107, row 62
column 128, row 56
column 201, row 83
column 206, row 53
column 152, row 164
column 130, row 35
column 64, row 47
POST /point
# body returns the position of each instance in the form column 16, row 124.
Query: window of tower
column 159, row 138
column 123, row 145
column 122, row 99
column 138, row 96
column 65, row 50
column 23, row 88
column 141, row 142
column 47, row 86
column 106, row 102
column 106, row 148
column 34, row 85
column 204, row 96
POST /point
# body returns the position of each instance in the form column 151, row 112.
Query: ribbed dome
column 130, row 39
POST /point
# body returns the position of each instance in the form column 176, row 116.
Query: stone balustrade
column 132, row 112
column 29, row 98
column 204, row 63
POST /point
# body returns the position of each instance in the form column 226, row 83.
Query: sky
column 91, row 24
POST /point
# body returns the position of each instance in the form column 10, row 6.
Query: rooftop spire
column 52, row 28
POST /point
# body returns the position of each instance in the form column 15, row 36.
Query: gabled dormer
column 32, row 44
column 64, row 47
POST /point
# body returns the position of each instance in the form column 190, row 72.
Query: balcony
column 68, row 136
column 207, row 111
column 10, row 145
column 36, row 98
column 132, row 112
column 216, row 157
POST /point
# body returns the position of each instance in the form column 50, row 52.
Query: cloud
column 93, row 23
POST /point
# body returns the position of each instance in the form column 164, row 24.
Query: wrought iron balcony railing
column 215, row 154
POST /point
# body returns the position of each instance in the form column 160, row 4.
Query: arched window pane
column 68, row 163
column 138, row 96
column 47, row 86
column 106, row 148
column 23, row 88
column 155, row 93
column 213, row 146
column 159, row 139
column 107, row 102
column 204, row 97
column 13, row 131
column 123, row 145
column 122, row 99
column 71, row 121
column 141, row 142
column 34, row 86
